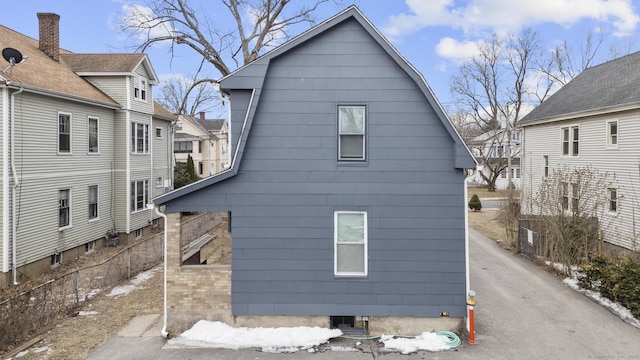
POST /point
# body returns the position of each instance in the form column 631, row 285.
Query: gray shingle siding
column 289, row 184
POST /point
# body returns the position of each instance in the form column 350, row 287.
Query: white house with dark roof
column 205, row 140
column 84, row 149
column 594, row 121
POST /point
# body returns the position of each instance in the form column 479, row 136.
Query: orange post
column 471, row 302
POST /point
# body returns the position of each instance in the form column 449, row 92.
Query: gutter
column 16, row 182
column 58, row 95
column 164, row 331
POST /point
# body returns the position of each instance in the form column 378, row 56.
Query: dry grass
column 482, row 192
column 75, row 336
column 488, row 223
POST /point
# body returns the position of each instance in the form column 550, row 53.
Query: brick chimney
column 201, row 115
column 50, row 34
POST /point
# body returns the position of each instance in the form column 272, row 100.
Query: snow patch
column 621, row 311
column 274, row 340
column 428, row 341
column 134, row 283
column 87, row 313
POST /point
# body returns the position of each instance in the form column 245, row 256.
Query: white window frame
column 155, row 222
column 159, row 133
column 611, row 200
column 139, row 233
column 140, row 88
column 569, row 141
column 135, row 139
column 545, row 166
column 64, row 205
column 363, row 134
column 337, row 244
column 159, row 182
column 503, row 173
column 90, row 150
column 139, row 188
column 612, row 139
column 564, row 196
column 96, row 204
column 56, row 259
column 90, row 247
column 69, row 134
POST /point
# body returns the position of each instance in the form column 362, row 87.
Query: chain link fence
column 39, row 306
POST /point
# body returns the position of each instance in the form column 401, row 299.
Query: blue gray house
column 345, row 201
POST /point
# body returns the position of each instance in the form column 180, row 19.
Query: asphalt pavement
column 521, row 312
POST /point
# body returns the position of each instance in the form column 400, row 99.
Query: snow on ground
column 621, row 311
column 429, row 341
column 87, row 313
column 133, row 284
column 282, row 340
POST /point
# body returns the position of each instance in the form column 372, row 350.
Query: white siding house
column 492, row 150
column 205, row 140
column 593, row 121
column 70, row 159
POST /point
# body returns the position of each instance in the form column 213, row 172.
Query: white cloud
column 142, row 18
column 455, row 50
column 476, row 16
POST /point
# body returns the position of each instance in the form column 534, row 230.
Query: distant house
column 594, row 121
column 345, row 200
column 492, row 151
column 84, row 148
column 205, row 140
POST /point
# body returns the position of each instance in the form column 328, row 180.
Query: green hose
column 454, row 340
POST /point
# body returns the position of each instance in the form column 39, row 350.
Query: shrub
column 474, row 203
column 617, row 280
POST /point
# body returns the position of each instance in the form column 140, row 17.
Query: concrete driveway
column 522, row 312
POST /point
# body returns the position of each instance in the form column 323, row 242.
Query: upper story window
column 570, row 141
column 159, row 133
column 140, row 88
column 545, row 166
column 64, row 133
column 93, row 135
column 64, row 208
column 139, row 138
column 612, row 134
column 351, row 128
column 515, row 135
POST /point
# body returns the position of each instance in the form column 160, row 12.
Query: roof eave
column 582, row 114
column 37, row 90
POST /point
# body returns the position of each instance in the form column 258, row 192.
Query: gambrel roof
column 251, row 77
column 608, row 87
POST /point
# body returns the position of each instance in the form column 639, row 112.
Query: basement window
column 351, row 324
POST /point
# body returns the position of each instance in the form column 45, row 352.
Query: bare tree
column 180, row 96
column 259, row 26
column 567, row 211
column 491, row 87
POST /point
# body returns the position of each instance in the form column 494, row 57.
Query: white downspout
column 5, row 180
column 16, row 182
column 164, row 332
column 466, row 244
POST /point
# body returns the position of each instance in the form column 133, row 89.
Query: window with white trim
column 56, row 259
column 159, row 181
column 139, row 233
column 64, row 133
column 139, row 138
column 93, row 202
column 350, row 243
column 564, row 193
column 140, row 88
column 545, row 166
column 613, row 200
column 159, row 133
column 351, row 129
column 575, row 197
column 92, row 134
column 139, row 195
column 612, row 134
column 570, row 141
column 503, row 173
column 64, row 208
column 90, row 247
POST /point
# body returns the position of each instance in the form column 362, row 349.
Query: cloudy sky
column 434, row 35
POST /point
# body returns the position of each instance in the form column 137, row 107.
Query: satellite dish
column 12, row 55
